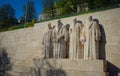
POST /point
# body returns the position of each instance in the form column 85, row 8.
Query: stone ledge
column 84, row 73
column 75, row 64
column 24, row 69
column 12, row 73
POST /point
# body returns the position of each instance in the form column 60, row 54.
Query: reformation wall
column 23, row 45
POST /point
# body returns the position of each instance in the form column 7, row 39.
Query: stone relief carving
column 75, row 45
column 77, row 42
column 59, row 41
column 90, row 38
column 47, row 42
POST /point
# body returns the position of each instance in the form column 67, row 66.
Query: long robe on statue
column 59, row 42
column 47, row 44
column 67, row 43
column 91, row 35
column 75, row 46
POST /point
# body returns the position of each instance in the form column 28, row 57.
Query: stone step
column 64, row 72
column 84, row 73
column 17, row 68
column 84, row 65
column 12, row 73
column 19, row 62
column 75, row 64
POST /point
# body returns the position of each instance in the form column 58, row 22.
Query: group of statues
column 76, row 42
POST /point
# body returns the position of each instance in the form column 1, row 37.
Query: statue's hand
column 97, row 38
column 82, row 40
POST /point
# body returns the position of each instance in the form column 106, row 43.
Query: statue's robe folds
column 75, row 46
column 47, row 44
column 67, row 42
column 91, row 35
column 59, row 50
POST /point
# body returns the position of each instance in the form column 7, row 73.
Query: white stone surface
column 25, row 44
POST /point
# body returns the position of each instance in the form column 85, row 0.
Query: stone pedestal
column 67, row 67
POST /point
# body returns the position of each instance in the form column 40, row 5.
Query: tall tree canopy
column 29, row 11
column 7, row 16
column 94, row 4
column 63, row 7
column 48, row 7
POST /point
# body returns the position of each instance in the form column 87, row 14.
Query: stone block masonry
column 25, row 44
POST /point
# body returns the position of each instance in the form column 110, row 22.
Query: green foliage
column 29, row 11
column 81, row 13
column 65, row 9
column 10, row 28
column 7, row 16
column 64, row 6
column 94, row 4
column 22, row 19
column 33, row 21
column 30, row 24
column 18, row 26
column 48, row 7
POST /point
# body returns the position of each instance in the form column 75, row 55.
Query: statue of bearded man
column 90, row 38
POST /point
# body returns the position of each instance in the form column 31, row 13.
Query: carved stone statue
column 59, row 41
column 47, row 43
column 90, row 38
column 67, row 40
column 75, row 39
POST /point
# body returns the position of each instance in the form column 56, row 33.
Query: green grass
column 12, row 27
column 19, row 26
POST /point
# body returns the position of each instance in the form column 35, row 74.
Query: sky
column 18, row 6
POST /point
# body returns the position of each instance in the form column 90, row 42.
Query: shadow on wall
column 112, row 69
column 42, row 67
column 5, row 64
column 102, row 51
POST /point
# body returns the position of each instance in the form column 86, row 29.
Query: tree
column 29, row 11
column 68, row 6
column 64, row 6
column 7, row 16
column 60, row 7
column 95, row 4
column 22, row 19
column 48, row 7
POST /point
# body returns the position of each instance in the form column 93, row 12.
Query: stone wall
column 25, row 44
